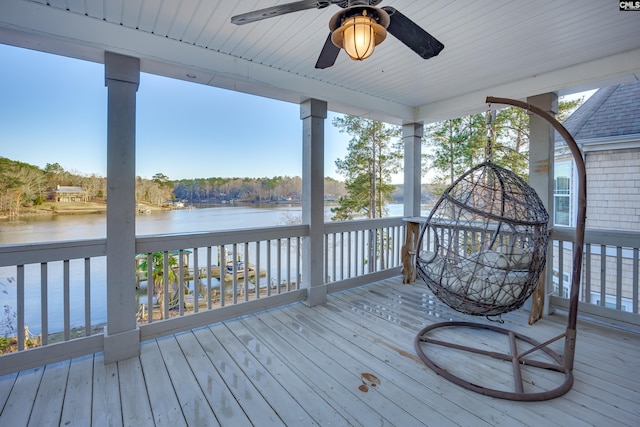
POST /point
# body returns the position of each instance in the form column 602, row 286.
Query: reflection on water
column 77, row 227
column 90, row 226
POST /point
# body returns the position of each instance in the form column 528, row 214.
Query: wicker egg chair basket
column 483, row 247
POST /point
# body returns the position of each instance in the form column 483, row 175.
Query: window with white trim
column 562, row 193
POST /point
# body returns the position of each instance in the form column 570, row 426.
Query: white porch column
column 541, row 154
column 412, row 139
column 313, row 113
column 122, row 336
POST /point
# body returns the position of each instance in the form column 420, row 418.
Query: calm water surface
column 72, row 227
column 75, row 227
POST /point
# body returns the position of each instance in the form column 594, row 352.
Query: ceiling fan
column 358, row 28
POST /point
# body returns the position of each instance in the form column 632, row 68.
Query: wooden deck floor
column 348, row 362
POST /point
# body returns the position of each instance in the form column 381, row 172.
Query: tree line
column 260, row 190
column 24, row 187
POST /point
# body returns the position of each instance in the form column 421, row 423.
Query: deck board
column 47, row 408
column 304, row 393
column 77, row 401
column 227, row 409
column 136, row 408
column 6, row 384
column 195, row 406
column 304, row 366
column 18, row 407
column 245, row 392
column 325, row 386
column 287, row 408
column 106, row 409
column 162, row 397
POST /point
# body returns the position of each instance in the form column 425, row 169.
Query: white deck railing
column 59, row 297
column 219, row 275
column 71, row 277
column 610, row 274
column 361, row 251
column 49, row 274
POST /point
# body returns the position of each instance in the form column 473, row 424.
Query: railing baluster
column 234, row 271
column 618, row 277
column 334, row 254
column 66, row 298
column 587, row 296
column 209, row 255
column 350, row 255
column 268, row 267
column 44, row 303
column 561, row 269
column 389, row 231
column 288, row 263
column 246, row 272
column 87, row 297
column 166, row 297
column 196, row 281
column 325, row 257
column 603, row 275
column 20, row 306
column 298, row 261
column 181, row 280
column 363, row 252
column 341, row 259
column 279, row 264
column 222, row 251
column 257, row 269
column 635, row 283
column 151, row 285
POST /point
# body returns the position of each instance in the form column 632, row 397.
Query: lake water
column 76, row 227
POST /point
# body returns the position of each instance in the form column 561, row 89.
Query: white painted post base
column 121, row 346
column 316, row 295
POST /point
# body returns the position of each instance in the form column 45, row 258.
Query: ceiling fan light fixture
column 360, row 32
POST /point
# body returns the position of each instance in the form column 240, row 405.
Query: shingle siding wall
column 613, row 189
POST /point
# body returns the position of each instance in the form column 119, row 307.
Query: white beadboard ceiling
column 514, row 48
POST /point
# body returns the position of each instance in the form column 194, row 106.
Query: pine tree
column 374, row 155
column 457, row 145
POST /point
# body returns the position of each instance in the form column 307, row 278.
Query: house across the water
column 68, row 193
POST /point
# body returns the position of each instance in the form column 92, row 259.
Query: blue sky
column 53, row 110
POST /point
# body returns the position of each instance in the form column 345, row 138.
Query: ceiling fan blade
column 328, row 55
column 410, row 33
column 270, row 12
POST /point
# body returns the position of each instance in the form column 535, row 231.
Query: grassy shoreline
column 66, row 208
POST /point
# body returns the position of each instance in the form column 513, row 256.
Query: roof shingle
column 611, row 111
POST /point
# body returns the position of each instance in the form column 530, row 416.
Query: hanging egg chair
column 482, row 252
column 482, row 248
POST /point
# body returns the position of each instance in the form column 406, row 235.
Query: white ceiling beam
column 615, row 69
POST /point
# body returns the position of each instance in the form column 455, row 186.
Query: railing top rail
column 627, row 239
column 361, row 224
column 164, row 242
column 29, row 253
